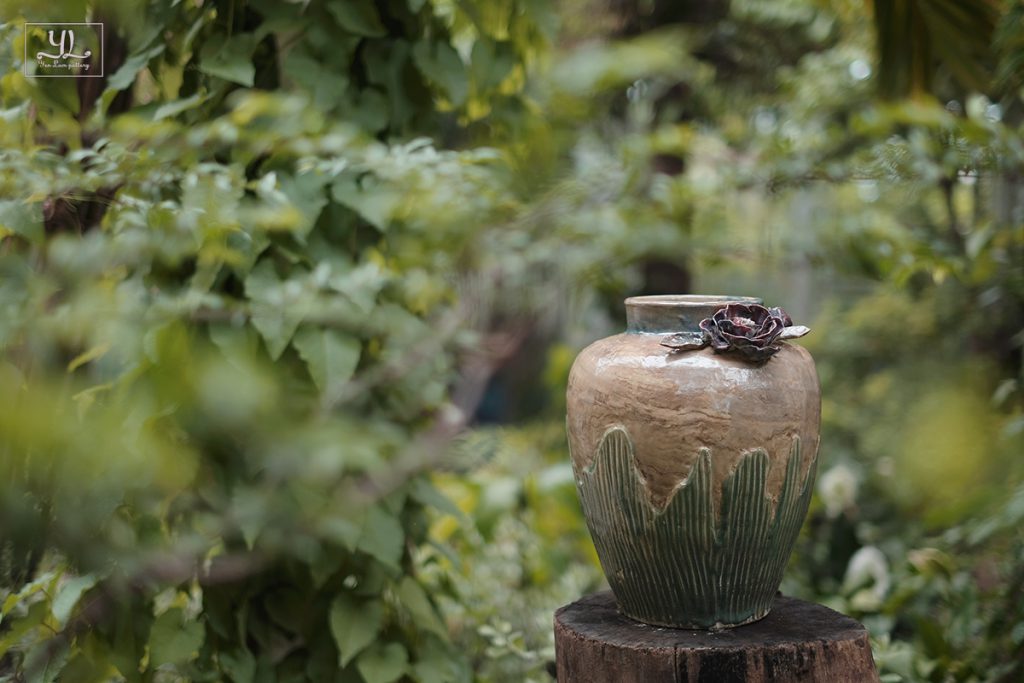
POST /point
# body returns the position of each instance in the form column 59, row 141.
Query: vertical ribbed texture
column 685, row 565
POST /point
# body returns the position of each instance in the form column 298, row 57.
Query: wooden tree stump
column 797, row 641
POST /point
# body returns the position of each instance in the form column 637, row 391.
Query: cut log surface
column 797, row 641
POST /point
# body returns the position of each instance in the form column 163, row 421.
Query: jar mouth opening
column 690, row 300
column 665, row 313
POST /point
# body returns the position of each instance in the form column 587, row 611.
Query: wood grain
column 798, row 642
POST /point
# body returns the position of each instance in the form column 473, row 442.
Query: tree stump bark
column 797, row 641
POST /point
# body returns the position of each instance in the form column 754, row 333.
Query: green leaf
column 354, row 625
column 369, row 108
column 345, row 529
column 230, row 59
column 19, row 627
column 387, row 65
column 45, row 582
column 435, row 664
column 490, row 62
column 240, row 665
column 173, row 640
column 69, row 595
column 62, row 95
column 361, row 285
column 328, row 86
column 306, row 193
column 383, row 663
column 428, row 494
column 412, row 595
column 131, row 627
column 238, row 343
column 88, row 356
column 441, row 64
column 331, row 356
column 357, row 16
column 324, row 565
column 46, row 659
column 382, row 536
column 87, row 665
column 21, row 218
column 124, row 78
column 169, row 109
column 274, row 317
column 1017, row 634
column 375, row 201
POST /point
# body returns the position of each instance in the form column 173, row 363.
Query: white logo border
column 25, row 63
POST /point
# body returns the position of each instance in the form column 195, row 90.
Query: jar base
column 692, row 626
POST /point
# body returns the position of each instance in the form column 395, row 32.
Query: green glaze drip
column 684, row 566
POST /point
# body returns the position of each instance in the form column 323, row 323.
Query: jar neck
column 668, row 313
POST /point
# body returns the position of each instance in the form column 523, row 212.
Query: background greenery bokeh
column 289, row 299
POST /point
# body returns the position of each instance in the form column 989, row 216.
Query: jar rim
column 663, row 313
column 690, row 300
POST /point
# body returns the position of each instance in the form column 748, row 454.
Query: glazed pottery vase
column 694, row 467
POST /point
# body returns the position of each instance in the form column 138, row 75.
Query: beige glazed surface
column 673, row 403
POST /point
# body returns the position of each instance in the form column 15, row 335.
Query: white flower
column 868, row 570
column 838, row 489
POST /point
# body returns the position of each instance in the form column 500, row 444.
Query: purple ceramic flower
column 750, row 330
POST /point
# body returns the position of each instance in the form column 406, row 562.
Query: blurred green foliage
column 895, row 230
column 248, row 316
column 231, row 319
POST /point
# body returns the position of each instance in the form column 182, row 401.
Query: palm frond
column 1008, row 44
column 917, row 38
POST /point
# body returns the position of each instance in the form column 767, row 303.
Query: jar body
column 694, row 470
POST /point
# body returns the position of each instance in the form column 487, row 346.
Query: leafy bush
column 230, row 327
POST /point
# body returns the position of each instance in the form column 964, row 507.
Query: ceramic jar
column 694, row 468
